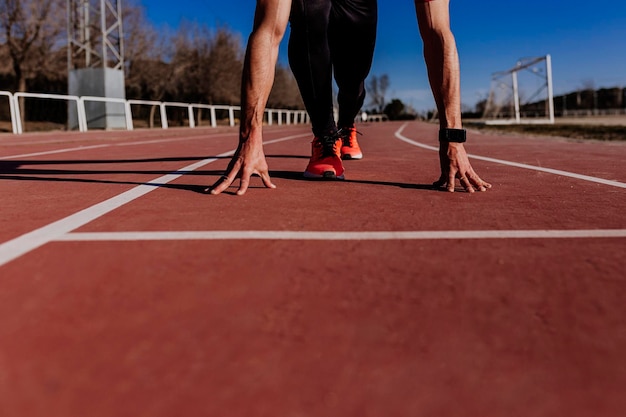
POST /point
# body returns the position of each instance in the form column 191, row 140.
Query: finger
column 247, row 174
column 227, row 179
column 217, row 183
column 267, row 181
column 478, row 182
column 467, row 184
column 482, row 186
column 243, row 185
column 451, row 181
column 220, row 185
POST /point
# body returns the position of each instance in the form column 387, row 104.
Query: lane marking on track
column 106, row 145
column 29, row 155
column 300, row 235
column 603, row 181
column 83, row 148
column 25, row 243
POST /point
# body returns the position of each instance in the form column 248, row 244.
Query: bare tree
column 141, row 41
column 285, row 92
column 195, row 64
column 191, row 53
column 223, row 67
column 377, row 90
column 146, row 53
column 33, row 32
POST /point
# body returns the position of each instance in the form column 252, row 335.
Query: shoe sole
column 347, row 157
column 328, row 175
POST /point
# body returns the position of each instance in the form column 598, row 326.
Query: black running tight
column 332, row 36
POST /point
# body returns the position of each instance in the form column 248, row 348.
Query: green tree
column 395, row 109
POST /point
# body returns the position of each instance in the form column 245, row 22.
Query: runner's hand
column 455, row 164
column 248, row 160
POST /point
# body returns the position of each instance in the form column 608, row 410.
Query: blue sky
column 587, row 42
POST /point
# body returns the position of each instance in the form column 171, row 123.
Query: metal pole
column 550, row 92
column 516, row 97
column 103, row 28
column 120, row 31
column 86, row 33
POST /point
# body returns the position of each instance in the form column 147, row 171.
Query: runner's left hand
column 454, row 164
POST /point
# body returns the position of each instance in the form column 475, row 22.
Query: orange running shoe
column 325, row 160
column 350, row 148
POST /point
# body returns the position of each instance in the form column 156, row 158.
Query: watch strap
column 452, row 135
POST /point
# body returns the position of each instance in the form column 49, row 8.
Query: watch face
column 452, row 135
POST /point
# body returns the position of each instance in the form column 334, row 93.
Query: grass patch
column 572, row 131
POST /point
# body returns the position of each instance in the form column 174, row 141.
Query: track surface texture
column 127, row 291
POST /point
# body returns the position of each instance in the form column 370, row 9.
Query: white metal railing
column 279, row 116
column 159, row 104
column 127, row 111
column 17, row 124
column 591, row 112
column 12, row 106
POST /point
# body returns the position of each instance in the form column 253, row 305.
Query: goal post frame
column 517, row 118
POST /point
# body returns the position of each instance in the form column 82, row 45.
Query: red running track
column 126, row 291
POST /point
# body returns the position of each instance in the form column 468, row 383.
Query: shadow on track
column 17, row 171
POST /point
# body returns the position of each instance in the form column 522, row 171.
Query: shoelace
column 328, row 144
column 345, row 133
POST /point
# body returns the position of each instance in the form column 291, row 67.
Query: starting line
column 358, row 236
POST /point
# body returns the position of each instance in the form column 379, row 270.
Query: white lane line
column 300, row 235
column 21, row 245
column 106, row 145
column 30, row 155
column 186, row 138
column 518, row 165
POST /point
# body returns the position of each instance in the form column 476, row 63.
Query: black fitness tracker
column 452, row 135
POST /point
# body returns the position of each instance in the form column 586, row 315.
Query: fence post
column 231, row 115
column 192, row 120
column 18, row 115
column 164, row 124
column 82, row 115
column 12, row 112
column 213, row 117
column 129, row 116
